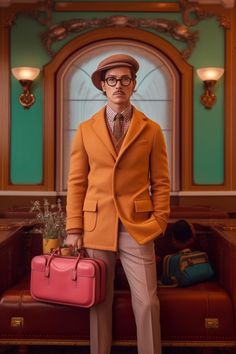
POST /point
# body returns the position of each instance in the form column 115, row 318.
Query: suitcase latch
column 17, row 321
column 211, row 323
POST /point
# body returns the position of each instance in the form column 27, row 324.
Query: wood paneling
column 4, row 100
column 105, row 6
column 231, row 52
column 6, row 16
column 227, row 203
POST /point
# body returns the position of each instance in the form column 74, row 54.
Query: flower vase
column 49, row 244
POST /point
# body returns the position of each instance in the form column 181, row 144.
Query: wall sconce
column 26, row 75
column 209, row 76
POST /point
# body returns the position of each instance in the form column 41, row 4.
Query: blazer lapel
column 101, row 130
column 138, row 122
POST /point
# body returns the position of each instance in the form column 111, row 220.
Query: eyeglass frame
column 120, row 80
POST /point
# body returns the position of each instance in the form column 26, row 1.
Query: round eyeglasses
column 124, row 80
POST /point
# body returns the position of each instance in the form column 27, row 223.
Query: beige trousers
column 139, row 265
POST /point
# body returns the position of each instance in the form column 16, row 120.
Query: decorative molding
column 200, row 193
column 86, row 6
column 224, row 21
column 208, row 193
column 40, row 11
column 30, row 193
column 173, row 28
column 6, row 3
column 228, row 4
column 117, row 6
column 192, row 13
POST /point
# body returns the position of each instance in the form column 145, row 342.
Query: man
column 118, row 200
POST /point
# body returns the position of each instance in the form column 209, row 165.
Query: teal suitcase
column 186, row 268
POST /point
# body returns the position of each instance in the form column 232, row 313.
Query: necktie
column 118, row 128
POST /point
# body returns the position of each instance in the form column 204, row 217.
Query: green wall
column 209, row 124
column 27, row 125
column 26, row 166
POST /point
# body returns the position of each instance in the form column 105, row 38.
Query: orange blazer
column 104, row 186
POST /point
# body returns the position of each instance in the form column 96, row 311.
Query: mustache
column 118, row 91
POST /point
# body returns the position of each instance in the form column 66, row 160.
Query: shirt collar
column 127, row 113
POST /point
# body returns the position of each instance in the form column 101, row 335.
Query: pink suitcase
column 75, row 281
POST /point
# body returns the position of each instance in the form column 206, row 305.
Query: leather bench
column 210, row 320
column 200, row 315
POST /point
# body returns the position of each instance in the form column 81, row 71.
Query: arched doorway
column 162, row 80
column 157, row 95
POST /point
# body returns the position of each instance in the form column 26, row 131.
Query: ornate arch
column 134, row 34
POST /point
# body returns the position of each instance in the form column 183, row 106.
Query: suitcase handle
column 57, row 252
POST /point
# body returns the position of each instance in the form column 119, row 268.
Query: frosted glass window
column 156, row 95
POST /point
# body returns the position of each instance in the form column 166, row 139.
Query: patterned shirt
column 127, row 114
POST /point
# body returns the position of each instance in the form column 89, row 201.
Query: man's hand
column 74, row 240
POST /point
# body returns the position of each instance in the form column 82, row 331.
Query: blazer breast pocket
column 90, row 214
column 143, row 209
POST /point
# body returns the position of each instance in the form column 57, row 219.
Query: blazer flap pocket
column 143, row 205
column 90, row 205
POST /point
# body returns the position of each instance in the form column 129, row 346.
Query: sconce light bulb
column 209, row 76
column 26, row 75
column 210, row 73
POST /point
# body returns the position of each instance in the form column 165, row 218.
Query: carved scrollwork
column 41, row 12
column 192, row 13
column 224, row 22
column 173, row 28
